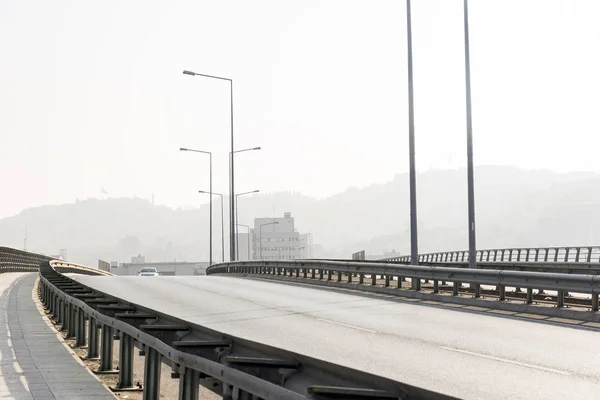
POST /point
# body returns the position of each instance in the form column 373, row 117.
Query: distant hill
column 513, row 208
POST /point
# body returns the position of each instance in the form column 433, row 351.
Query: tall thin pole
column 470, row 184
column 237, row 236
column 414, row 247
column 210, row 262
column 232, row 221
column 222, row 232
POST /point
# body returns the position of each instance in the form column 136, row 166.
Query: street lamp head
column 255, row 191
column 202, row 191
column 186, row 72
column 183, row 149
column 256, row 148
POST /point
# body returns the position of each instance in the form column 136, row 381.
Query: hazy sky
column 92, row 94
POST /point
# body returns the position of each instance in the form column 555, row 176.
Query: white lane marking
column 264, row 305
column 505, row 360
column 347, row 326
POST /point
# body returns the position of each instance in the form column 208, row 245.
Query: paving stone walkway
column 34, row 362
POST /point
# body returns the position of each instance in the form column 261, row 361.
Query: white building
column 277, row 239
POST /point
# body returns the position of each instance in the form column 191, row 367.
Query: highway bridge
column 327, row 329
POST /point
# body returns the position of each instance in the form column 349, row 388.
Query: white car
column 148, row 272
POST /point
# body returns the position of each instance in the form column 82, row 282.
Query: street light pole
column 414, row 248
column 210, row 246
column 247, row 227
column 236, row 217
column 470, row 179
column 222, row 225
column 231, row 153
column 231, row 166
column 260, row 234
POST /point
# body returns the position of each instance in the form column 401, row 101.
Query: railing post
column 455, row 286
column 93, row 347
column 106, row 359
column 66, row 320
column 189, row 383
column 125, row 361
column 415, row 283
column 80, row 328
column 529, row 299
column 361, row 278
column 339, row 276
column 560, row 299
column 436, row 288
column 152, row 374
column 373, row 279
column 502, row 292
column 387, row 281
column 594, row 302
column 72, row 331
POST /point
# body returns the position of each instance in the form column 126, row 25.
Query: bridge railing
column 14, row 260
column 361, row 275
column 229, row 366
column 566, row 254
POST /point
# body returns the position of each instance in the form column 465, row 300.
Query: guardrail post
column 72, row 331
column 80, row 328
column 560, row 299
column 476, row 290
column 305, row 272
column 125, row 361
column 455, row 286
column 529, row 299
column 339, row 276
column 312, row 271
column 350, row 277
column 189, row 383
column 373, row 279
column 106, row 359
column 329, row 275
column 415, row 283
column 297, row 270
column 387, row 281
column 93, row 345
column 502, row 292
column 594, row 301
column 320, row 273
column 400, row 280
column 361, row 278
column 436, row 288
column 152, row 374
column 66, row 320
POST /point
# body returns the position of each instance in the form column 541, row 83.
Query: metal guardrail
column 13, row 260
column 232, row 367
column 565, row 254
column 347, row 271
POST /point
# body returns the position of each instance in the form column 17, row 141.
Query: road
column 463, row 354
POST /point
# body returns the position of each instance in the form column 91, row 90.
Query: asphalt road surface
column 463, row 354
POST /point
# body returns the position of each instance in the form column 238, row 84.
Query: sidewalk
column 34, row 362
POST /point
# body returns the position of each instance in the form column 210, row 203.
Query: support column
column 106, row 360
column 81, row 339
column 93, row 347
column 152, row 375
column 125, row 361
column 189, row 383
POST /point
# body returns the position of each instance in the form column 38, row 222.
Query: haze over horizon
column 99, row 99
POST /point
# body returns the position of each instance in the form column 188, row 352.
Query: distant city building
column 277, row 239
column 168, row 268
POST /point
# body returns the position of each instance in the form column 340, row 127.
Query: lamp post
column 414, row 247
column 231, row 153
column 260, row 234
column 210, row 247
column 222, row 225
column 236, row 217
column 231, row 169
column 470, row 183
column 247, row 227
